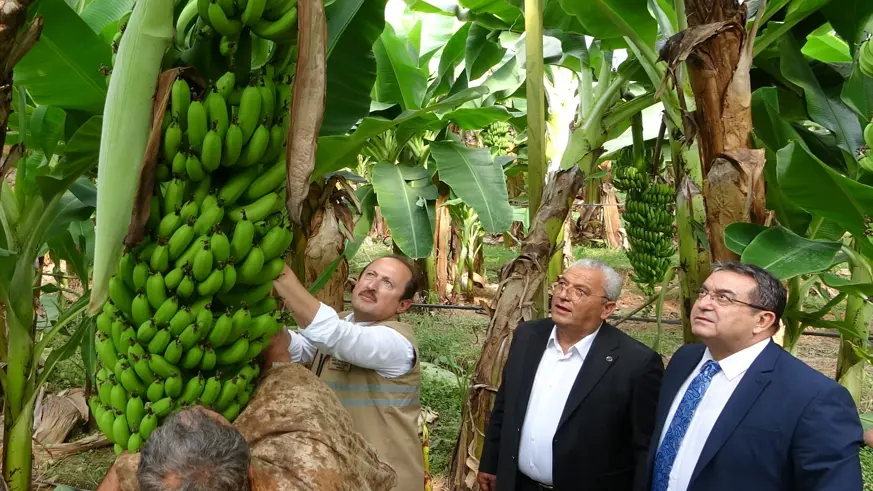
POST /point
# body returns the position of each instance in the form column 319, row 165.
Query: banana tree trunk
column 519, row 282
column 718, row 68
column 442, row 247
column 859, row 312
column 611, row 215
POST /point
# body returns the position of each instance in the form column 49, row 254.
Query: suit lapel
column 745, row 395
column 677, row 372
column 601, row 356
column 533, row 353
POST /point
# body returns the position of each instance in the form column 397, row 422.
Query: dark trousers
column 524, row 483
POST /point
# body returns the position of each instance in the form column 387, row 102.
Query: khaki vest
column 385, row 411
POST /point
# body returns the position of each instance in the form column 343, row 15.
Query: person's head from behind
column 385, row 288
column 192, row 451
column 585, row 294
column 737, row 306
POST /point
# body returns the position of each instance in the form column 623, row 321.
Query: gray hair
column 612, row 281
column 196, row 452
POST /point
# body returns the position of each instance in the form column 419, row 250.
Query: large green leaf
column 827, row 48
column 473, row 118
column 47, row 128
column 482, row 53
column 80, row 155
column 848, row 17
column 796, row 12
column 452, row 56
column 336, row 152
column 476, row 179
column 75, row 205
column 404, row 209
column 786, row 255
column 857, row 93
column 367, row 198
column 63, row 68
column 821, row 190
column 824, row 108
column 554, row 17
column 100, row 13
column 501, row 8
column 738, row 236
column 352, row 28
column 614, row 19
column 848, row 285
column 399, row 79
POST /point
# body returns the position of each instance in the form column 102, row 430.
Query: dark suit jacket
column 786, row 427
column 602, row 440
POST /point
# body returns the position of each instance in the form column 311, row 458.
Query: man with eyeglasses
column 575, row 410
column 738, row 412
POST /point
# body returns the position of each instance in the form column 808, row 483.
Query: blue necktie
column 679, row 425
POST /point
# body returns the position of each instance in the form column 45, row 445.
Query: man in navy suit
column 738, row 413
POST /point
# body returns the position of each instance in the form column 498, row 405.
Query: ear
column 404, row 306
column 608, row 309
column 766, row 320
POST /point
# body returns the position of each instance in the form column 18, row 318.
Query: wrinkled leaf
column 47, row 128
column 472, row 118
column 848, row 285
column 398, row 202
column 100, row 13
column 80, row 155
column 452, row 56
column 481, row 52
column 399, row 79
column 477, row 180
column 614, row 19
column 786, row 255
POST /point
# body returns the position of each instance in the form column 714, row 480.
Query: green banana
column 104, row 391
column 155, row 392
column 233, row 353
column 256, row 211
column 125, row 269
column 198, row 125
column 253, row 11
column 135, row 411
column 252, row 265
column 142, row 369
column 217, row 110
column 209, row 217
column 174, row 352
column 227, row 394
column 140, row 309
column 187, row 257
column 106, row 423
column 192, row 358
column 149, row 424
column 220, row 245
column 268, row 304
column 173, row 278
column 178, row 243
column 180, row 99
column 134, row 443
column 202, row 264
column 118, row 397
column 212, row 284
column 194, row 167
column 162, row 367
column 249, row 110
column 160, row 259
column 209, row 360
column 210, row 156
column 255, row 347
column 169, row 223
column 180, row 321
column 174, row 195
column 131, row 382
column 190, row 336
column 202, row 191
column 268, row 103
column 156, row 291
column 246, row 294
column 262, row 325
column 225, row 84
column 173, row 386
column 166, row 311
column 146, row 332
column 233, row 144
column 162, row 174
column 237, row 184
column 233, row 410
column 120, row 295
column 120, row 430
column 266, row 182
column 106, row 350
column 229, row 277
column 255, row 148
column 193, row 389
column 104, row 322
column 219, row 21
column 276, row 242
column 220, row 331
column 162, row 407
column 186, row 287
column 172, row 140
column 211, row 390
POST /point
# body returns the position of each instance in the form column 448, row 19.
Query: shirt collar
column 581, row 347
column 738, row 363
column 351, row 318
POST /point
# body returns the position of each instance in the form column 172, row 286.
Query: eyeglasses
column 573, row 293
column 724, row 300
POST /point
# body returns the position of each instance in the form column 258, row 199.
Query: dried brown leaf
column 307, row 108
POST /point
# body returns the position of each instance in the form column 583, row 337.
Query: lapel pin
column 609, row 359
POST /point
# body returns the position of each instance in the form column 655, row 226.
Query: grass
column 867, row 468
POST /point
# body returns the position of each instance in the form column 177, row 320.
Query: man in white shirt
column 575, row 409
column 738, row 412
column 368, row 357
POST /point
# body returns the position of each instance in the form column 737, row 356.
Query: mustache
column 369, row 293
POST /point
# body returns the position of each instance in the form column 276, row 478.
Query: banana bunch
column 275, row 20
column 648, row 220
column 865, row 59
column 190, row 307
column 865, row 153
column 499, row 137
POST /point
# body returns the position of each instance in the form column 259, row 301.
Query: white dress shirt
column 554, row 379
column 362, row 344
column 714, row 400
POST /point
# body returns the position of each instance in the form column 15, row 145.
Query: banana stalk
column 127, row 120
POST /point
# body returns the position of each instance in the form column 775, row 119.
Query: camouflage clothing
column 301, row 439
